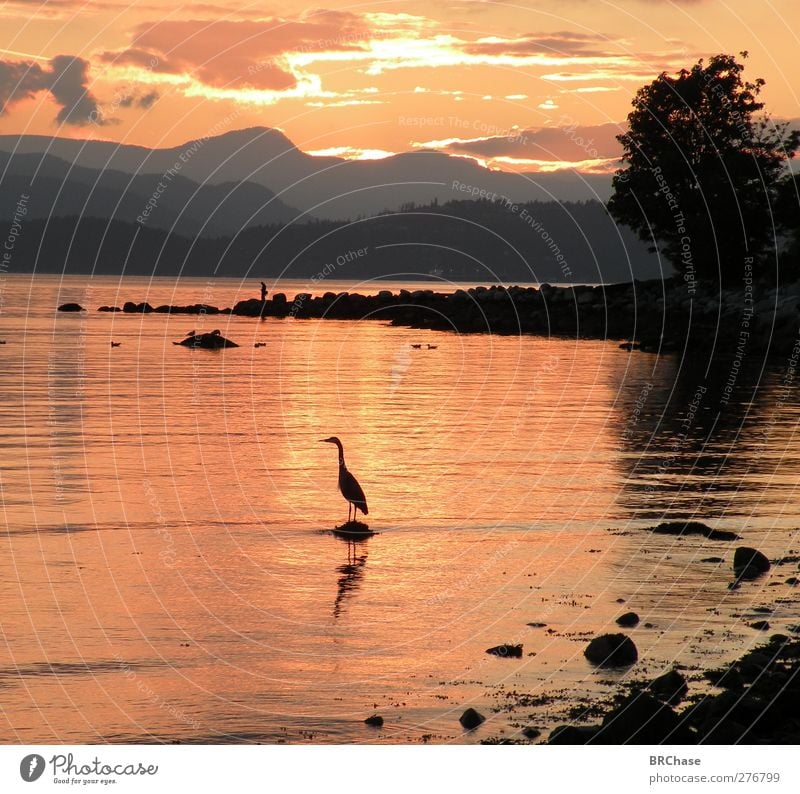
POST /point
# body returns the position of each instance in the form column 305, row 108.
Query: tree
column 787, row 212
column 703, row 170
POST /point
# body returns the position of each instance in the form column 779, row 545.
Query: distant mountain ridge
column 479, row 241
column 328, row 187
column 59, row 188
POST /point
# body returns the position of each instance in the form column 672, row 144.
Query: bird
column 432, row 347
column 416, row 347
column 348, row 484
column 191, row 333
column 260, row 344
column 116, row 344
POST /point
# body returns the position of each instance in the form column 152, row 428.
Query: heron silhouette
column 348, row 484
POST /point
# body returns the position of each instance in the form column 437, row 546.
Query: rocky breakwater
column 657, row 316
column 584, row 311
column 654, row 316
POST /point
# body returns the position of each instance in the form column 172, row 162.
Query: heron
column 348, row 484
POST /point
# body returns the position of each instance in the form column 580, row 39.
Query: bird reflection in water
column 352, row 572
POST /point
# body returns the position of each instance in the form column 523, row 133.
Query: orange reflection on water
column 168, row 569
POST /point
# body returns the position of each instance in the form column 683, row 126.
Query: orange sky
column 370, row 78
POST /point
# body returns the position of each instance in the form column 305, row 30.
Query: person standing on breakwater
column 263, row 292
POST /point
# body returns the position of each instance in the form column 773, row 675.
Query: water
column 167, row 572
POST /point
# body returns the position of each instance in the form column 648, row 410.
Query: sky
column 533, row 85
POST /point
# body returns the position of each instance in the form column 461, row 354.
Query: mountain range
column 57, row 188
column 250, row 203
column 325, row 187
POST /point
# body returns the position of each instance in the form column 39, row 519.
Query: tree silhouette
column 703, row 170
column 788, row 216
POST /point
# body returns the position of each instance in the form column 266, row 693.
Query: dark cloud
column 66, row 78
column 143, row 101
column 70, row 89
column 560, row 42
column 147, row 100
column 19, row 81
column 567, row 142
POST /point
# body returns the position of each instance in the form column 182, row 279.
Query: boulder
column 212, row 341
column 628, row 620
column 726, row 714
column 749, row 563
column 109, row 309
column 573, row 734
column 375, row 721
column 471, row 719
column 725, row 677
column 249, row 308
column 754, row 664
column 71, row 307
column 641, row 719
column 611, row 650
column 531, row 733
column 137, row 308
column 681, row 528
column 669, row 688
column 510, row 651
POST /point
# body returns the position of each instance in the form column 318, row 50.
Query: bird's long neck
column 341, row 455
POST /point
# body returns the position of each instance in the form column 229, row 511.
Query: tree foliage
column 703, row 169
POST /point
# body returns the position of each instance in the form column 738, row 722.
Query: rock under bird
column 348, row 484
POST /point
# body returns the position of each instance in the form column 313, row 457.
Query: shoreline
column 757, row 704
column 749, row 696
column 661, row 316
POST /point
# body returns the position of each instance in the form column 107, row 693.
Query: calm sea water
column 167, row 571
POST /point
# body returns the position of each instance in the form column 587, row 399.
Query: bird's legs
column 349, row 508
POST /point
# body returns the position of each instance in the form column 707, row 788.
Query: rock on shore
column 612, row 650
column 758, row 705
column 749, row 563
column 471, row 719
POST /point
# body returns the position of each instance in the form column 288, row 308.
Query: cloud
column 65, row 77
column 567, row 145
column 561, row 42
column 268, row 59
column 135, row 100
column 19, row 81
column 69, row 88
column 240, row 53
